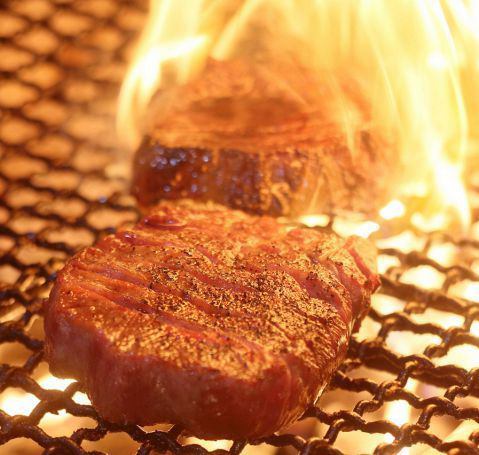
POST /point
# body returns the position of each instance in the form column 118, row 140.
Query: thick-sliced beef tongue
column 267, row 140
column 225, row 323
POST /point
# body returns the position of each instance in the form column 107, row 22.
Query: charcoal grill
column 64, row 184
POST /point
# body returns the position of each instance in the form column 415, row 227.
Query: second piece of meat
column 279, row 140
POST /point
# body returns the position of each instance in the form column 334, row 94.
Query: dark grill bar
column 64, row 184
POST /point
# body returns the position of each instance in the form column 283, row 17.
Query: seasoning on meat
column 225, row 323
column 277, row 140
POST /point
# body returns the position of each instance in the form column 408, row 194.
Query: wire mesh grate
column 410, row 378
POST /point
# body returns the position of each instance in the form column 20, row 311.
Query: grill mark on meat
column 109, row 294
column 219, row 282
column 95, row 314
column 342, row 258
column 215, row 281
column 320, row 289
column 325, row 295
column 335, row 257
column 204, row 277
column 213, row 259
column 312, row 285
column 204, row 306
column 251, row 317
column 327, row 289
column 113, row 271
column 200, row 303
column 237, row 296
column 195, row 328
column 211, row 309
column 346, row 270
column 201, row 331
column 73, row 287
column 97, row 283
column 128, row 277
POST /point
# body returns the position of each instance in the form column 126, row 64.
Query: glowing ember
column 53, row 383
column 443, row 253
column 210, row 445
column 393, row 209
column 467, row 289
column 81, row 398
column 315, row 220
column 347, row 227
column 397, row 412
column 17, row 402
column 423, row 276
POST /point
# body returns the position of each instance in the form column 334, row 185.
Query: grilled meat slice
column 224, row 323
column 281, row 141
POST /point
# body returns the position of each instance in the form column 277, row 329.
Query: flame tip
column 418, row 65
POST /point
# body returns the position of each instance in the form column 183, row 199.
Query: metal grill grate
column 63, row 185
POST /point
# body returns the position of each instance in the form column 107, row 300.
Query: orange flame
column 418, row 63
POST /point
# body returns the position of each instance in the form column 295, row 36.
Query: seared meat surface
column 278, row 141
column 224, row 323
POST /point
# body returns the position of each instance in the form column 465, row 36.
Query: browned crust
column 220, row 322
column 280, row 141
